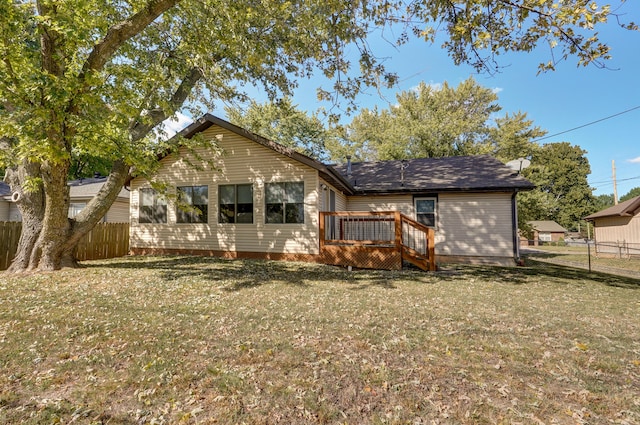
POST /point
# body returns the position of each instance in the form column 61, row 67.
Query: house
column 617, row 229
column 264, row 200
column 80, row 192
column 546, row 231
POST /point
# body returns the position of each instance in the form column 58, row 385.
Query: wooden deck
column 375, row 240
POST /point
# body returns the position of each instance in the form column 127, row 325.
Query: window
column 153, row 209
column 236, row 203
column 285, row 202
column 196, row 197
column 426, row 211
column 75, row 208
column 544, row 236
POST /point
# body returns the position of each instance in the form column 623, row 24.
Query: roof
column 628, row 208
column 456, row 173
column 5, row 189
column 79, row 189
column 326, row 172
column 89, row 187
column 546, row 226
column 461, row 173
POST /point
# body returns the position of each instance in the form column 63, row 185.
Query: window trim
column 284, row 203
column 433, row 198
column 235, row 204
column 204, row 216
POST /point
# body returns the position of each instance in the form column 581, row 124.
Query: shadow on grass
column 535, row 271
column 238, row 274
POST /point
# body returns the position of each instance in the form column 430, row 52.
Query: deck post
column 397, row 218
column 321, row 229
column 432, row 249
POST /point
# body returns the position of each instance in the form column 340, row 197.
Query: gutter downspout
column 514, row 224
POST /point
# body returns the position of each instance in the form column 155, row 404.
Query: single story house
column 264, row 200
column 616, row 230
column 80, row 192
column 546, row 231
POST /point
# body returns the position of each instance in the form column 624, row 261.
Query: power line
column 588, row 124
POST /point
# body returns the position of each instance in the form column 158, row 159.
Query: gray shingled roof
column 79, row 189
column 457, row 173
column 5, row 190
column 546, row 226
column 627, row 208
column 89, row 187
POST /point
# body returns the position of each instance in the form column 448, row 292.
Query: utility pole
column 615, row 188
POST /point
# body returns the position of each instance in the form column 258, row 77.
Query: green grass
column 579, row 256
column 203, row 340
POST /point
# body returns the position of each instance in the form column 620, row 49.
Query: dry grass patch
column 203, row 340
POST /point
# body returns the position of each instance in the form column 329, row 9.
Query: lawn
column 579, row 257
column 203, row 340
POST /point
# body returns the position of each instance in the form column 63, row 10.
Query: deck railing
column 375, row 239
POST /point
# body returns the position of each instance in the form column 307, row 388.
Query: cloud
column 176, row 123
column 496, row 90
column 634, row 160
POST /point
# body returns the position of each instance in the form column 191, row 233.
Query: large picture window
column 196, row 197
column 236, row 203
column 152, row 209
column 284, row 202
column 426, row 211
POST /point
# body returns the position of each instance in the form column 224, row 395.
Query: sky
column 556, row 101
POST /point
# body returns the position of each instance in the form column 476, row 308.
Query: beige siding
column 244, row 161
column 618, row 229
column 341, row 198
column 4, row 210
column 119, row 212
column 402, row 203
column 475, row 225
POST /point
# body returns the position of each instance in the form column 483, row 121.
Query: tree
column 94, row 78
column 428, row 122
column 284, row 123
column 602, row 202
column 631, row 194
column 560, row 172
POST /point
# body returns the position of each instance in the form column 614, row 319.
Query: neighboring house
column 81, row 191
column 617, row 229
column 264, row 200
column 546, row 231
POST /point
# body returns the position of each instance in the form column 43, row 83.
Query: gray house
column 80, row 191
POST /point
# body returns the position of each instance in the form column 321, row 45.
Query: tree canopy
column 91, row 79
column 284, row 123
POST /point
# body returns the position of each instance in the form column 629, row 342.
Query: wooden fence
column 106, row 240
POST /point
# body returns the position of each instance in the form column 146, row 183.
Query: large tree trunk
column 31, row 206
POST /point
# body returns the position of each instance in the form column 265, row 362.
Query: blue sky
column 556, row 101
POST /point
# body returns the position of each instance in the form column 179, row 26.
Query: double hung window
column 284, row 202
column 197, row 199
column 153, row 208
column 426, row 211
column 236, row 203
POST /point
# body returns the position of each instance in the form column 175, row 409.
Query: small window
column 153, row 209
column 196, row 197
column 426, row 211
column 75, row 208
column 285, row 202
column 236, row 203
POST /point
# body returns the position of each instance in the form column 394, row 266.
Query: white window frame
column 435, row 210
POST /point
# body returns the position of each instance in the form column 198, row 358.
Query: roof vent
column 403, row 165
column 348, row 165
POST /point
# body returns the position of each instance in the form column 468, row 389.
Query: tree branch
column 138, row 129
column 120, row 33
